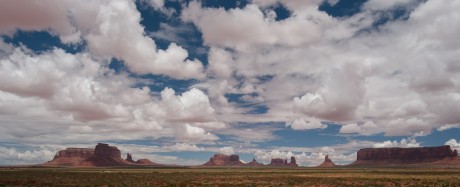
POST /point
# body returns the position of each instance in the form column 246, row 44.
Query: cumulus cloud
column 56, row 88
column 384, row 5
column 109, row 28
column 310, row 123
column 192, row 133
column 401, row 79
column 184, row 147
column 227, row 150
column 448, row 126
column 306, row 69
column 12, row 156
column 367, row 128
column 453, row 144
column 409, row 142
column 234, row 33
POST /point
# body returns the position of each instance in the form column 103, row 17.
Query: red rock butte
column 224, row 160
column 283, row 162
column 327, row 163
column 396, row 155
column 101, row 155
column 254, row 163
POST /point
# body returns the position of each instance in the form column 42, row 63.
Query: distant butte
column 224, row 160
column 327, row 163
column 283, row 162
column 101, row 155
column 254, row 163
column 396, row 155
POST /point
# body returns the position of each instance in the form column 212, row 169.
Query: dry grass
column 229, row 177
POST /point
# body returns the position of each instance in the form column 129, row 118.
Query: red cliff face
column 224, row 160
column 104, row 150
column 71, row 156
column 75, row 152
column 403, row 155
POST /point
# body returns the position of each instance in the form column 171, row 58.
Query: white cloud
column 384, row 5
column 332, row 2
column 409, row 142
column 37, row 16
column 367, row 128
column 192, row 133
column 191, row 106
column 220, row 63
column 12, row 156
column 183, row 147
column 227, row 150
column 310, row 123
column 297, row 30
column 448, row 126
column 75, row 95
column 109, row 28
column 389, row 81
column 453, row 144
column 385, row 80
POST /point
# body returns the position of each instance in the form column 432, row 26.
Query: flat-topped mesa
column 224, row 160
column 71, row 156
column 398, row 155
column 283, row 162
column 75, row 152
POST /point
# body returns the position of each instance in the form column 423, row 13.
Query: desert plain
column 230, row 176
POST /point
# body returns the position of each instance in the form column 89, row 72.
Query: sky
column 177, row 81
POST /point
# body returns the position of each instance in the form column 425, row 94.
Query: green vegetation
column 229, row 177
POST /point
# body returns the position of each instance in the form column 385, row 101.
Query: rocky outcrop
column 105, row 155
column 293, row 162
column 283, row 162
column 370, row 156
column 71, row 156
column 224, row 160
column 254, row 163
column 101, row 155
column 327, row 163
column 145, row 162
column 129, row 158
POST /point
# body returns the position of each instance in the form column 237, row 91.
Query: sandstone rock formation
column 101, row 155
column 283, row 162
column 224, row 160
column 71, row 156
column 277, row 162
column 254, row 163
column 403, row 155
column 293, row 162
column 145, row 162
column 129, row 158
column 327, row 162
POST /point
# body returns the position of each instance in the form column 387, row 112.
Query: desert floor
column 229, row 177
